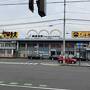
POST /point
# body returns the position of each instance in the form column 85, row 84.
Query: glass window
column 9, row 51
column 2, row 44
column 22, row 45
column 2, row 51
column 7, row 44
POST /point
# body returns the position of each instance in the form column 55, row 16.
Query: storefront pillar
column 17, row 47
column 6, row 53
column 12, row 52
column 49, row 49
column 37, row 48
column 75, row 50
column 25, row 46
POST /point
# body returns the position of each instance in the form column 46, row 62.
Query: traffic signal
column 41, row 7
column 31, row 5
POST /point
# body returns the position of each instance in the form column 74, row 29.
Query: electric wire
column 46, row 21
column 52, row 25
column 11, row 4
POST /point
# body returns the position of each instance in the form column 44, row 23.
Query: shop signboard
column 80, row 34
column 6, row 34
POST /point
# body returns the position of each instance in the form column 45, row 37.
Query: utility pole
column 64, row 28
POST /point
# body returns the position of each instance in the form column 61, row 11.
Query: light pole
column 64, row 27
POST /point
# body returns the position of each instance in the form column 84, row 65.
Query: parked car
column 67, row 60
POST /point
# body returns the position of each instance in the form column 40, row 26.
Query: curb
column 75, row 65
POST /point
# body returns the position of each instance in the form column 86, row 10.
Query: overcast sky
column 12, row 14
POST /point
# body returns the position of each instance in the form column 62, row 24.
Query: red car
column 67, row 60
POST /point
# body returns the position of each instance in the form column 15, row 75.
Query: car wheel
column 61, row 61
column 73, row 62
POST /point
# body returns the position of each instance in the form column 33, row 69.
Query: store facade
column 47, row 48
column 43, row 47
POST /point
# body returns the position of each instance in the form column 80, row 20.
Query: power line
column 73, row 12
column 51, row 25
column 4, row 0
column 79, row 1
column 79, row 20
column 14, row 4
column 15, row 24
column 30, row 22
column 50, row 14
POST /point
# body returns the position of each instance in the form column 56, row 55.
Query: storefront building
column 48, row 48
column 25, row 47
column 43, row 46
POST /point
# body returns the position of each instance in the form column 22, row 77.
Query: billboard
column 80, row 34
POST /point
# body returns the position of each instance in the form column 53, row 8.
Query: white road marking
column 2, row 84
column 35, row 63
column 18, row 63
column 20, row 86
column 27, row 84
column 13, row 83
column 1, row 81
column 22, row 63
column 52, row 64
column 43, row 85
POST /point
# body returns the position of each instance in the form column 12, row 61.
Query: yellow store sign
column 9, row 35
column 80, row 34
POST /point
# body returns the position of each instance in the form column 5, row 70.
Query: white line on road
column 42, row 88
column 43, row 85
column 13, row 83
column 1, row 81
column 18, row 63
column 27, row 84
column 51, row 64
column 22, row 63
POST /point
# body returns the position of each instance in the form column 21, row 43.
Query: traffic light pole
column 64, row 28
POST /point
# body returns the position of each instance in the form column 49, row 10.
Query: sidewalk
column 44, row 61
column 13, row 60
column 81, row 64
column 26, row 60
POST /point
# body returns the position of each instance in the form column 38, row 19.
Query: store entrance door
column 53, row 52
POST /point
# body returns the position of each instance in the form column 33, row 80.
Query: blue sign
column 79, row 45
